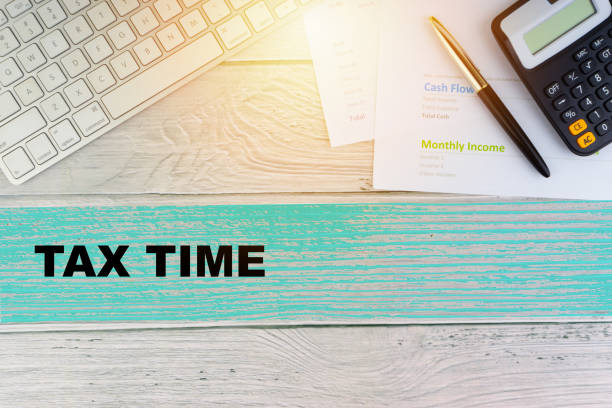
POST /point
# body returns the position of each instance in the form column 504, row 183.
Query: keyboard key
column 285, row 8
column 553, row 90
column 193, row 23
column 587, row 103
column 101, row 79
column 586, row 140
column 234, row 32
column 78, row 29
column 18, row 162
column 124, row 65
column 259, row 16
column 561, row 103
column 52, row 77
column 147, row 51
column 216, row 10
column 8, row 105
column 121, row 35
column 124, row 7
column 91, row 119
column 51, row 14
column 570, row 115
column 9, row 72
column 75, row 63
column 571, row 78
column 603, row 129
column 581, row 54
column 578, row 91
column 3, row 19
column 18, row 7
column 604, row 92
column 41, row 148
column 596, row 116
column 605, row 55
column 78, row 93
column 145, row 21
column 28, row 91
column 162, row 75
column 20, row 127
column 578, row 127
column 8, row 42
column 54, row 43
column 598, row 43
column 167, row 9
column 98, row 49
column 31, row 57
column 28, row 27
column 587, row 67
column 74, row 6
column 64, row 134
column 170, row 37
column 101, row 15
column 596, row 79
column 54, row 107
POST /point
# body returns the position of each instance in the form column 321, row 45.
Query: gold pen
column 490, row 98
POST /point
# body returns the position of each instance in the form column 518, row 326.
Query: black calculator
column 562, row 51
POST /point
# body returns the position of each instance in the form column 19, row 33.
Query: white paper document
column 343, row 37
column 434, row 134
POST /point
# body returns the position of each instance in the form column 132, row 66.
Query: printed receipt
column 434, row 134
column 343, row 37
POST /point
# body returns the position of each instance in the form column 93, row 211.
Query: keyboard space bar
column 159, row 77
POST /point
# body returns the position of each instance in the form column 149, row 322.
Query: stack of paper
column 343, row 37
column 432, row 131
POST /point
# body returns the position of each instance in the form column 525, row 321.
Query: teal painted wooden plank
column 393, row 263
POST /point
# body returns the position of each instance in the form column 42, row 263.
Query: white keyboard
column 70, row 70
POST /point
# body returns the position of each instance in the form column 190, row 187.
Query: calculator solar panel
column 574, row 87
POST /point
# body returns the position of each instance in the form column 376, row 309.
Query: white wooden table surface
column 197, row 157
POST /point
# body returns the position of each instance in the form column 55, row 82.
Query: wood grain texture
column 455, row 366
column 387, row 263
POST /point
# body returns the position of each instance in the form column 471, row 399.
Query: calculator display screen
column 559, row 24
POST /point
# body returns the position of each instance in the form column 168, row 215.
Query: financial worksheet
column 434, row 134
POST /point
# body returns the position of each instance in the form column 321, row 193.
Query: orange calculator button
column 578, row 127
column 586, row 140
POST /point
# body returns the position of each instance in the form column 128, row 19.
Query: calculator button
column 609, row 68
column 598, row 43
column 561, row 103
column 603, row 129
column 596, row 116
column 587, row 103
column 578, row 91
column 596, row 79
column 587, row 67
column 605, row 55
column 578, row 127
column 569, row 115
column 581, row 54
column 608, row 105
column 571, row 78
column 604, row 92
column 586, row 140
column 553, row 90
